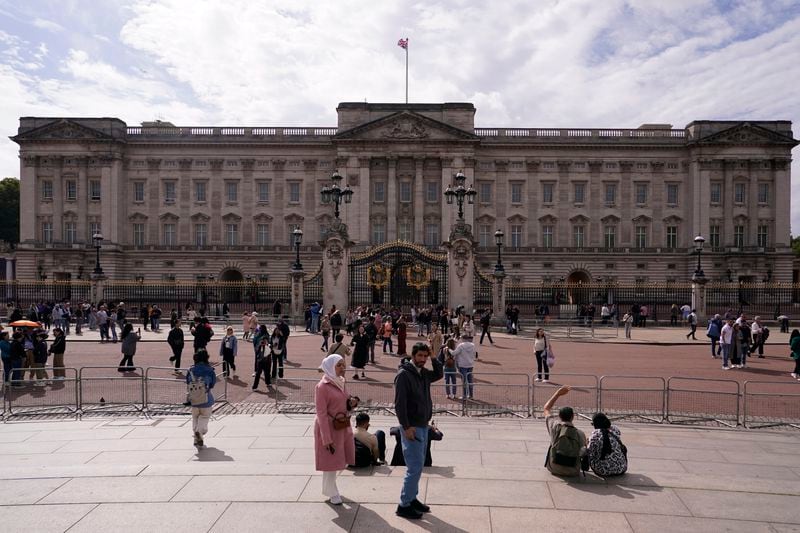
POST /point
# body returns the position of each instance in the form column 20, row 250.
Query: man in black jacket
column 412, row 399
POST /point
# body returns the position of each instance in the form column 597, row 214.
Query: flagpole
column 406, row 48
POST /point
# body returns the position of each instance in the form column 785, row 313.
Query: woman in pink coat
column 334, row 449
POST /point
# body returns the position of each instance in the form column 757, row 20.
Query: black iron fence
column 25, row 293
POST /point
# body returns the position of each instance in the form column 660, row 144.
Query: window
column 516, row 193
column 405, row 192
column 291, row 228
column 47, row 232
column 379, row 192
column 378, row 233
column 294, row 193
column 578, row 190
column 640, row 237
column 641, row 193
column 432, row 234
column 516, row 236
column 262, row 234
column 232, row 191
column 672, row 236
column 610, row 236
column 71, row 190
column 739, row 193
column 94, row 229
column 432, row 192
column 200, row 191
column 263, row 192
column 547, row 236
column 485, row 193
column 231, row 234
column 138, row 191
column 714, row 236
column 578, row 236
column 547, row 193
column 200, row 234
column 763, row 193
column 404, row 231
column 484, row 236
column 69, row 232
column 47, row 190
column 169, row 192
column 716, row 193
column 763, row 236
column 169, row 234
column 138, row 234
column 672, row 194
column 738, row 236
column 94, row 189
column 611, row 193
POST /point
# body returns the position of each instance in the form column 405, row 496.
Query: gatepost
column 335, row 258
column 699, row 296
column 461, row 266
column 499, row 294
column 97, row 287
column 297, row 293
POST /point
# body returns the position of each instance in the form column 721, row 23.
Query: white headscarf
column 329, row 367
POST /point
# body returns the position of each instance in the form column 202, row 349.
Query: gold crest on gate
column 418, row 276
column 378, row 276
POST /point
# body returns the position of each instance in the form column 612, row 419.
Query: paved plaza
column 257, row 474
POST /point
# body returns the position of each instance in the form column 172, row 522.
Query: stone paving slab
column 257, row 474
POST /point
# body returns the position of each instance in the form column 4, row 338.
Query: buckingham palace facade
column 175, row 202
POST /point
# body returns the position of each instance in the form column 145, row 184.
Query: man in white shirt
column 758, row 337
column 102, row 323
column 725, row 339
column 464, row 355
column 692, row 319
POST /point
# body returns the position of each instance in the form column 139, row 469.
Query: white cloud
column 47, row 25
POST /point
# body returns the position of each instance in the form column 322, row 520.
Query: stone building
column 575, row 204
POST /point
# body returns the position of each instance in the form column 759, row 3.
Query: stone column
column 97, row 287
column 391, row 200
column 461, row 266
column 9, row 268
column 363, row 197
column 297, row 293
column 448, row 211
column 699, row 296
column 499, row 294
column 58, row 200
column 28, row 199
column 335, row 261
column 419, row 201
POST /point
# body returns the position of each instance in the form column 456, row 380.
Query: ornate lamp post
column 699, row 241
column 498, row 240
column 336, row 194
column 458, row 192
column 297, row 236
column 98, row 241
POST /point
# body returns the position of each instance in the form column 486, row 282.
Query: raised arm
column 556, row 395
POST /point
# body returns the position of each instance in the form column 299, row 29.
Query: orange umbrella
column 25, row 324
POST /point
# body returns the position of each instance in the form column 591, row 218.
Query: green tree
column 796, row 245
column 9, row 210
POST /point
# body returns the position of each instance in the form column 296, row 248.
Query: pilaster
column 335, row 259
column 391, row 200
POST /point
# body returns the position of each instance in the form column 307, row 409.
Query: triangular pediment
column 403, row 127
column 63, row 130
column 746, row 133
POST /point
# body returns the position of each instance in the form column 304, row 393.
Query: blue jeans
column 466, row 375
column 450, row 382
column 726, row 350
column 414, row 455
column 714, row 342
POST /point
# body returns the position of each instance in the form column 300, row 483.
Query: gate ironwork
column 481, row 290
column 312, row 287
column 398, row 274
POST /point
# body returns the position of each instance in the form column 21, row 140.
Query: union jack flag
column 403, row 43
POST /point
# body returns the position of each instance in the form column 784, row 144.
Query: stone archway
column 232, row 287
column 577, row 290
column 231, row 275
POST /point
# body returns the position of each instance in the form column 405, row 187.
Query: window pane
column 231, row 234
column 611, row 193
column 739, row 193
column 47, row 232
column 232, row 192
column 641, row 193
column 169, row 191
column 432, row 234
column 763, row 236
column 485, row 194
column 516, row 193
column 716, row 193
column 577, row 236
column 47, row 190
column 672, row 237
column 138, row 234
column 200, row 191
column 379, row 192
column 714, row 235
column 547, row 193
column 200, row 234
column 262, row 234
column 484, row 232
column 138, row 192
column 672, row 194
column 378, row 233
column 763, row 193
column 294, row 193
column 516, row 236
column 610, row 237
column 405, row 192
column 94, row 189
column 169, row 234
column 578, row 193
column 263, row 192
column 404, row 231
column 432, row 192
column 547, row 236
column 641, row 236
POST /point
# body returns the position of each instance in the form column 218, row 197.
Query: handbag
column 341, row 421
column 551, row 356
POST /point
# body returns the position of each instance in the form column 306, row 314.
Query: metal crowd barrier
column 165, row 391
column 619, row 399
column 491, row 399
column 105, row 389
column 582, row 398
column 691, row 400
column 764, row 399
column 43, row 397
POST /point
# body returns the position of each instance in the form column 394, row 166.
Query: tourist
column 402, row 331
column 783, row 320
column 736, row 346
column 5, row 353
column 486, row 323
column 112, row 324
column 334, row 447
column 40, row 356
column 260, row 339
column 375, row 443
column 361, row 351
column 605, row 313
column 372, row 333
column 339, row 347
column 445, row 357
column 794, row 345
column 228, row 349
column 325, row 328
column 202, row 333
column 692, row 320
column 760, row 334
column 128, row 348
column 316, row 311
column 467, row 327
column 277, row 350
column 540, row 349
column 17, row 359
column 607, row 455
column 262, row 357
column 745, row 333
column 245, row 326
column 254, row 325
column 713, row 332
column 725, row 341
column 464, row 355
column 627, row 321
column 567, row 443
column 644, row 312
column 58, row 348
column 386, row 335
column 175, row 340
column 673, row 315
column 414, row 410
column 336, row 320
column 685, row 310
column 435, row 340
column 201, row 413
column 277, row 308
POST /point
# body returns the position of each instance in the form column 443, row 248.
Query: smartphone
column 332, row 449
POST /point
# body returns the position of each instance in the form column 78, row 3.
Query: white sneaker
column 336, row 500
column 545, row 381
column 540, row 379
column 793, row 375
column 726, row 368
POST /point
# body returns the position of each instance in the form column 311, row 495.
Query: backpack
column 196, row 390
column 566, row 447
column 363, row 455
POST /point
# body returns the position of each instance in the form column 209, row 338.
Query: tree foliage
column 796, row 245
column 9, row 210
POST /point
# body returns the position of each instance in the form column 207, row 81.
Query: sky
column 522, row 63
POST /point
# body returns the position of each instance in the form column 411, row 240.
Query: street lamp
column 699, row 241
column 98, row 241
column 336, row 194
column 297, row 236
column 498, row 240
column 458, row 192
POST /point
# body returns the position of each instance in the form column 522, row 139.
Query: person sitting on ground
column 607, row 455
column 567, row 443
column 370, row 448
